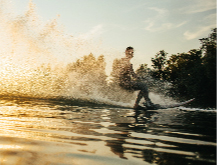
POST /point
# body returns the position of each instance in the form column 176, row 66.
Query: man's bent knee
column 140, row 86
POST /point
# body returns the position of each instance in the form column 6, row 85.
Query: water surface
column 62, row 132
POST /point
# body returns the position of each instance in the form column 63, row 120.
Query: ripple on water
column 43, row 132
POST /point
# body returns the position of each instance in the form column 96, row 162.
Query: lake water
column 64, row 132
column 39, row 59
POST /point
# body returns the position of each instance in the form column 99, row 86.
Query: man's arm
column 132, row 72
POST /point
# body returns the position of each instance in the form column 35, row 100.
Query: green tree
column 143, row 70
column 192, row 74
column 159, row 64
column 209, row 61
column 115, row 71
column 185, row 71
column 89, row 72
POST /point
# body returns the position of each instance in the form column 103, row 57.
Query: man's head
column 129, row 52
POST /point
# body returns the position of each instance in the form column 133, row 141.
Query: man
column 129, row 80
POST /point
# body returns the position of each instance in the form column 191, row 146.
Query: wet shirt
column 126, row 75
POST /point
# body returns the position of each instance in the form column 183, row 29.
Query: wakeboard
column 158, row 106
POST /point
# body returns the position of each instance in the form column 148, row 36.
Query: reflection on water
column 62, row 132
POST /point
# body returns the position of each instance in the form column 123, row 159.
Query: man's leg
column 139, row 97
column 143, row 93
column 147, row 99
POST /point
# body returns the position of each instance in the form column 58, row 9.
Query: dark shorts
column 134, row 85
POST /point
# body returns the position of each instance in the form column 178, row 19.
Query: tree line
column 189, row 75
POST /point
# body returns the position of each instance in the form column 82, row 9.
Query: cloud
column 211, row 18
column 94, row 32
column 200, row 6
column 199, row 32
column 157, row 22
column 153, row 27
column 208, row 22
column 135, row 7
column 121, row 27
column 161, row 12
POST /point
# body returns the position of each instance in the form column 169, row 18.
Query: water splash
column 31, row 66
column 40, row 60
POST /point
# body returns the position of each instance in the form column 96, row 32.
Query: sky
column 148, row 25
